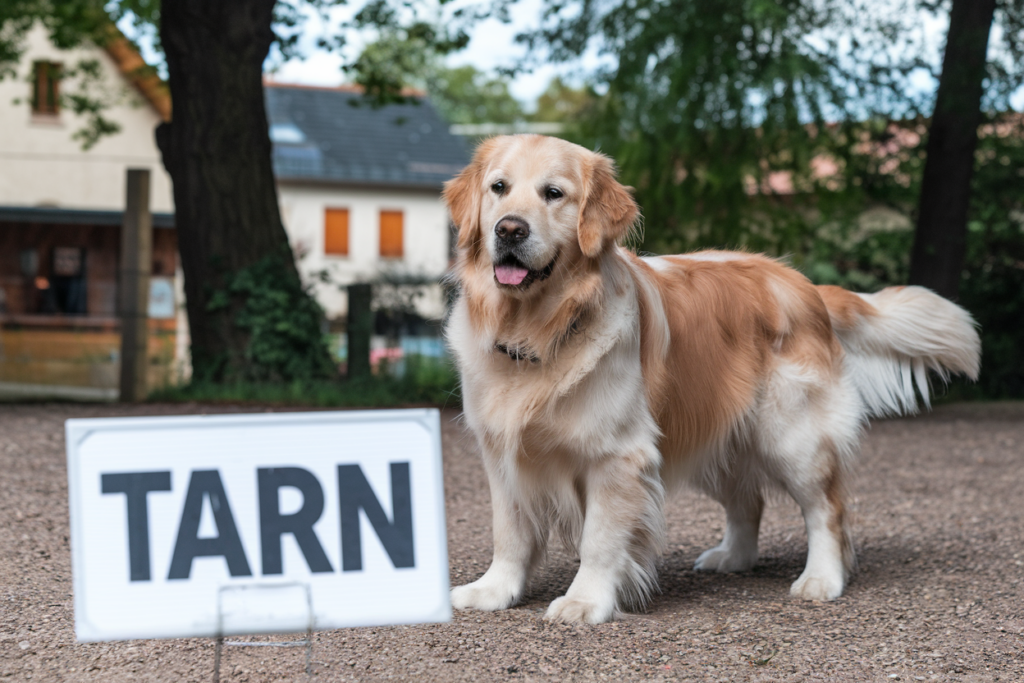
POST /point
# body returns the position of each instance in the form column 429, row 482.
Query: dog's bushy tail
column 894, row 337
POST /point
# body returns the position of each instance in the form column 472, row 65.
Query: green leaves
column 466, row 95
column 410, row 42
column 706, row 100
column 993, row 277
column 282, row 320
column 91, row 98
column 722, row 112
column 16, row 18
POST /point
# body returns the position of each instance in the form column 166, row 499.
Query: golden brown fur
column 845, row 308
column 727, row 324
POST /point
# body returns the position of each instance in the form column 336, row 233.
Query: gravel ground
column 939, row 519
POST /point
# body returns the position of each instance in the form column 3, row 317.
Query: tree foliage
column 993, row 277
column 562, row 102
column 278, row 320
column 465, row 94
column 703, row 96
column 406, row 42
column 709, row 105
column 395, row 63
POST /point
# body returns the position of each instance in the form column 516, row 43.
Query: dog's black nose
column 512, row 228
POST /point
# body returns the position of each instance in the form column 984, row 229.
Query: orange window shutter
column 391, row 234
column 336, row 232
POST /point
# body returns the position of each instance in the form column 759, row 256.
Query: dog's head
column 527, row 201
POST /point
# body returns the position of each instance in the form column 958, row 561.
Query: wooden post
column 133, row 281
column 360, row 326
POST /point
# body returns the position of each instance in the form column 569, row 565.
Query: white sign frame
column 373, row 591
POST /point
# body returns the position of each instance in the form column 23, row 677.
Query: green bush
column 427, row 381
column 992, row 285
column 992, row 288
column 282, row 322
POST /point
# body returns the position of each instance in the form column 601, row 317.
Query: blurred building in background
column 358, row 188
column 60, row 217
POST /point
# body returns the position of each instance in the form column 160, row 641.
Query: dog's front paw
column 485, row 595
column 722, row 559
column 572, row 611
column 823, row 588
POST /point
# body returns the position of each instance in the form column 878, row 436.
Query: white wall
column 40, row 165
column 425, row 238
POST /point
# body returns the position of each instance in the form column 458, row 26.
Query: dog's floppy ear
column 462, row 194
column 607, row 210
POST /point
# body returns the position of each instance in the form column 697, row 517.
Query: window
column 336, row 232
column 46, row 88
column 391, row 234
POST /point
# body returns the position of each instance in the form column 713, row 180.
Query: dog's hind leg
column 518, row 548
column 830, row 552
column 743, row 506
column 623, row 536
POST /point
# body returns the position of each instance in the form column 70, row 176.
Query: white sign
column 222, row 525
column 161, row 298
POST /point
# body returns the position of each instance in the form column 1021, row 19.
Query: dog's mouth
column 512, row 274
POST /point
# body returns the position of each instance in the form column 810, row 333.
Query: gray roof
column 331, row 135
column 54, row 215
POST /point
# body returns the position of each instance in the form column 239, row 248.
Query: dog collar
column 517, row 355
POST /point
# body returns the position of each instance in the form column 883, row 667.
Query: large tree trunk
column 941, row 235
column 217, row 150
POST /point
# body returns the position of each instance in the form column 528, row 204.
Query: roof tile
column 345, row 140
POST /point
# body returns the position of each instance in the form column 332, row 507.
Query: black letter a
column 227, row 543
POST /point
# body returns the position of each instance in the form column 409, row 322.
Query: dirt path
column 939, row 520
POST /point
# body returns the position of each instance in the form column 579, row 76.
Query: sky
column 492, row 45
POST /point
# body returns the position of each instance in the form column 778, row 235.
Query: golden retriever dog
column 596, row 380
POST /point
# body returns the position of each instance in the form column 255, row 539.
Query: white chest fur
column 587, row 400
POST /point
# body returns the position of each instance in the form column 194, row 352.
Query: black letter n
column 354, row 492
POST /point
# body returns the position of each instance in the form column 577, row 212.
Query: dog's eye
column 553, row 193
column 498, row 187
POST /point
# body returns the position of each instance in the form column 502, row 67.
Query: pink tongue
column 510, row 275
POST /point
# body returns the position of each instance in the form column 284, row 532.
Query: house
column 60, row 217
column 358, row 188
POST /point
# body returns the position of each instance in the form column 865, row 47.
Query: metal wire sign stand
column 306, row 642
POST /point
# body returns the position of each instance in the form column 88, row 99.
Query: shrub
column 427, row 381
